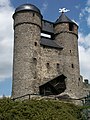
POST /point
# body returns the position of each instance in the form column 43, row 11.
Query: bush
column 38, row 110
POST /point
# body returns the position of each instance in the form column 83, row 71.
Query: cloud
column 6, row 39
column 44, row 7
column 85, row 13
column 88, row 2
column 84, row 55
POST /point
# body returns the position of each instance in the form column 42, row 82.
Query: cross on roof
column 63, row 10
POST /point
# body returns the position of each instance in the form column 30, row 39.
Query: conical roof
column 64, row 19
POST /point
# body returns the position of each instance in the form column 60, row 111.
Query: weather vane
column 62, row 10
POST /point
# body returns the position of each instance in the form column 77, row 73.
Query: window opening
column 33, row 14
column 57, row 65
column 48, row 65
column 43, row 46
column 35, row 43
column 72, row 66
column 35, row 61
column 70, row 26
column 45, row 35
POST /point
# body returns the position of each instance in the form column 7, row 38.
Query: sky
column 79, row 12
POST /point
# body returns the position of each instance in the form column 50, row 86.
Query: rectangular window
column 70, row 26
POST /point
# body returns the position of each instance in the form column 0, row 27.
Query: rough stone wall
column 35, row 65
column 52, row 65
column 84, row 88
column 26, row 53
column 68, row 39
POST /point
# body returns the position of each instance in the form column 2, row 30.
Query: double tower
column 44, row 65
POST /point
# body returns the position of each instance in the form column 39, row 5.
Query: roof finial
column 63, row 10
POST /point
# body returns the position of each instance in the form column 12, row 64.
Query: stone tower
column 44, row 65
column 66, row 34
column 27, row 30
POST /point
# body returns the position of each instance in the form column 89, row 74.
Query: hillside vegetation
column 38, row 110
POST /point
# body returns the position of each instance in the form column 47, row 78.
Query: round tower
column 27, row 32
column 66, row 34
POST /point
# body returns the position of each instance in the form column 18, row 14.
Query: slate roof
column 62, row 76
column 50, row 43
column 64, row 19
column 27, row 7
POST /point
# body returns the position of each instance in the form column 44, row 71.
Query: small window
column 33, row 14
column 35, row 61
column 70, row 26
column 57, row 65
column 35, row 43
column 43, row 46
column 70, row 51
column 72, row 66
column 48, row 65
column 79, row 79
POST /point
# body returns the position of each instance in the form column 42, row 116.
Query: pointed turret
column 66, row 24
column 66, row 34
column 64, row 19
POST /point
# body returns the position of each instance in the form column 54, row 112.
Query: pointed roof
column 64, row 19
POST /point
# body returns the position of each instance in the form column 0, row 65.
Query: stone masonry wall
column 68, row 39
column 26, row 52
column 35, row 64
column 52, row 65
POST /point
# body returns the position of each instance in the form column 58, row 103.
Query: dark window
column 72, row 66
column 35, row 61
column 43, row 46
column 79, row 79
column 70, row 51
column 33, row 14
column 57, row 65
column 35, row 43
column 48, row 65
column 70, row 26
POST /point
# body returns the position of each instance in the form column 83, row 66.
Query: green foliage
column 38, row 110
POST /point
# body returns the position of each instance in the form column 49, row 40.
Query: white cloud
column 85, row 13
column 4, row 3
column 88, row 2
column 44, row 7
column 6, row 39
column 84, row 55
